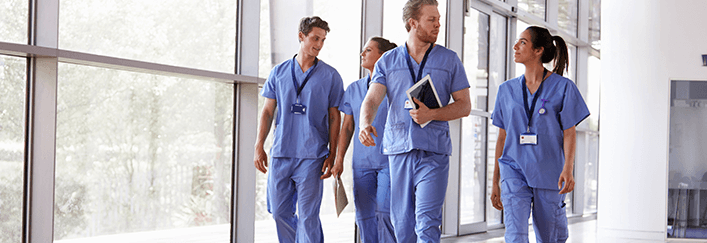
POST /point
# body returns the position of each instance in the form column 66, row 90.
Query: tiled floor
column 582, row 230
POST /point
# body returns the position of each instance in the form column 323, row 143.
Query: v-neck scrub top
column 303, row 136
column 542, row 163
column 402, row 134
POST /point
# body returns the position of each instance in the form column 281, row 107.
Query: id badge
column 529, row 138
column 408, row 105
column 298, row 108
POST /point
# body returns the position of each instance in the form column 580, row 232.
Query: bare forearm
column 347, row 130
column 334, row 125
column 263, row 128
column 569, row 143
column 500, row 142
column 452, row 111
column 369, row 106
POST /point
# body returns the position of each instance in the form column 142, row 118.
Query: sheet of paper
column 340, row 196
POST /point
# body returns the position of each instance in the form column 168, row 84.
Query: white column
column 641, row 53
column 41, row 121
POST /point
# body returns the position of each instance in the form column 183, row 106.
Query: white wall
column 645, row 44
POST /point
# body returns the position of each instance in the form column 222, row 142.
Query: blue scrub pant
column 371, row 190
column 418, row 184
column 295, row 182
column 549, row 218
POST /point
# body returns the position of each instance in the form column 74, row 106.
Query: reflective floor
column 582, row 230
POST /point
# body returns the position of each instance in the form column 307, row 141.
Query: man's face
column 427, row 27
column 312, row 43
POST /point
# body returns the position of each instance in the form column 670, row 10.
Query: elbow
column 466, row 109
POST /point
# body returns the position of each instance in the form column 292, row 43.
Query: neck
column 305, row 61
column 370, row 71
column 534, row 73
column 417, row 46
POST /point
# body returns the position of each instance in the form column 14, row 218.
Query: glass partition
column 13, row 21
column 13, row 80
column 142, row 157
column 595, row 23
column 535, row 7
column 567, row 16
column 194, row 34
column 687, row 182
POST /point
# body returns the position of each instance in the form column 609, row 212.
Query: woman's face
column 370, row 55
column 524, row 51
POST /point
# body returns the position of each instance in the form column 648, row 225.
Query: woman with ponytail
column 536, row 114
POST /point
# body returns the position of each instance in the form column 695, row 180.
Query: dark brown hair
column 307, row 23
column 541, row 37
column 383, row 44
column 412, row 10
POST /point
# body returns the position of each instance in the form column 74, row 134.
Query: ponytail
column 561, row 56
column 541, row 37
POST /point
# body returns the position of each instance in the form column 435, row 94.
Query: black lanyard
column 294, row 78
column 529, row 110
column 368, row 85
column 422, row 64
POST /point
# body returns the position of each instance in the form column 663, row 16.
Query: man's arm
column 347, row 130
column 266, row 115
column 369, row 109
column 460, row 108
column 569, row 142
column 496, row 181
column 334, row 124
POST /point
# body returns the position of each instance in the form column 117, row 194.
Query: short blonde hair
column 412, row 10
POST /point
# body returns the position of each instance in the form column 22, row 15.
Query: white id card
column 529, row 138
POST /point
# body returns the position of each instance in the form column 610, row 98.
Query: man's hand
column 326, row 168
column 337, row 169
column 496, row 197
column 568, row 179
column 422, row 114
column 365, row 136
column 261, row 160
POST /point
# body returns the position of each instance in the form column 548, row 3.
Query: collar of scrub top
column 368, row 85
column 422, row 64
column 299, row 88
column 529, row 110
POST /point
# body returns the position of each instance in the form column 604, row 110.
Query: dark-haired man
column 418, row 157
column 307, row 93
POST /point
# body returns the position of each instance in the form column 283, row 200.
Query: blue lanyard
column 294, row 78
column 422, row 64
column 529, row 111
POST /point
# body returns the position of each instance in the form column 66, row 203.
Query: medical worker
column 306, row 92
column 536, row 114
column 418, row 157
column 371, row 187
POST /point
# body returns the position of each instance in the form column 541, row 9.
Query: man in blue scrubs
column 418, row 157
column 371, row 174
column 306, row 92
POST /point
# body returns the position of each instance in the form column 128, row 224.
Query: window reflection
column 154, row 154
column 13, row 21
column 12, row 152
column 567, row 16
column 535, row 7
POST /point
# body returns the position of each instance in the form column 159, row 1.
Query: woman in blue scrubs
column 536, row 114
column 371, row 174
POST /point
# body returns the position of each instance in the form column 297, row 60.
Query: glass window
column 591, row 169
column 535, row 7
column 13, row 79
column 567, row 16
column 265, row 57
column 154, row 154
column 476, row 46
column 13, row 21
column 497, row 70
column 343, row 43
column 195, row 34
column 687, row 183
column 593, row 86
column 595, row 23
column 394, row 26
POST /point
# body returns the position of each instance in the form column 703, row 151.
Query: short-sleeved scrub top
column 303, row 136
column 365, row 157
column 447, row 73
column 543, row 162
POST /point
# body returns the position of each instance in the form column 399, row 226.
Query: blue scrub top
column 303, row 136
column 542, row 163
column 365, row 157
column 402, row 134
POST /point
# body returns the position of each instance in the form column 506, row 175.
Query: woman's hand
column 496, row 197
